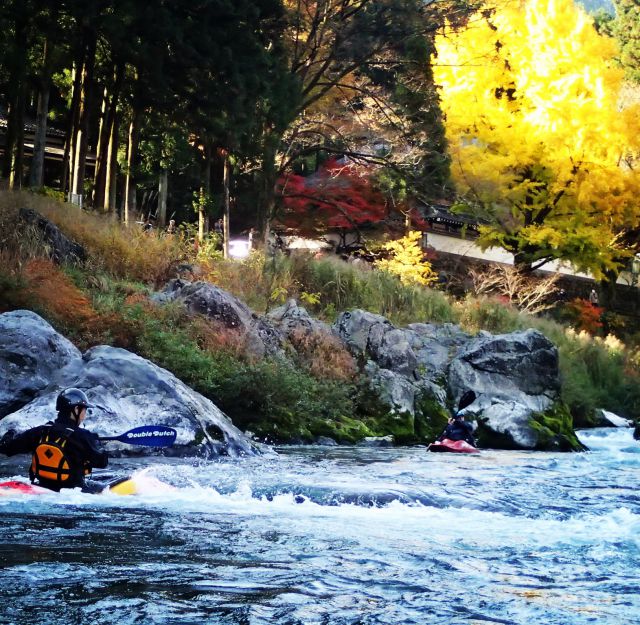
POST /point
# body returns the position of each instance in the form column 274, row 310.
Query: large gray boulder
column 291, row 319
column 434, row 345
column 206, row 299
column 514, row 377
column 361, row 331
column 393, row 389
column 129, row 391
column 31, row 353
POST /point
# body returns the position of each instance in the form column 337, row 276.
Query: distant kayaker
column 63, row 453
column 458, row 430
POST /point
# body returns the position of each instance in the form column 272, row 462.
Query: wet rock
column 376, row 441
column 31, row 354
column 129, row 391
column 514, row 376
column 325, row 441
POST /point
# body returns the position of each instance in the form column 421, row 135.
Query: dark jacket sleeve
column 97, row 457
column 446, row 433
column 12, row 444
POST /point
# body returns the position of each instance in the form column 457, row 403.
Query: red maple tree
column 336, row 197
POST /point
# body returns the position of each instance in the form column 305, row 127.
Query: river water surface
column 336, row 536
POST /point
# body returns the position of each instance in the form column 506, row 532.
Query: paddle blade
column 466, row 400
column 147, row 435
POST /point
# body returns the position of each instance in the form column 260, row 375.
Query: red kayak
column 13, row 486
column 458, row 447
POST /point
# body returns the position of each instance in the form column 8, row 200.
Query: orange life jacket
column 50, row 461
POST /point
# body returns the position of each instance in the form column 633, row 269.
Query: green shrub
column 344, row 287
column 490, row 314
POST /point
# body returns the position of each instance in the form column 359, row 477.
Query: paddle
column 466, row 400
column 148, row 435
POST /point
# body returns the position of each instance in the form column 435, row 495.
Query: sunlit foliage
column 407, row 261
column 539, row 146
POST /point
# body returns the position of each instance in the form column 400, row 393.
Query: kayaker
column 63, row 453
column 458, row 430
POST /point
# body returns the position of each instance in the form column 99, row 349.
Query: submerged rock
column 376, row 441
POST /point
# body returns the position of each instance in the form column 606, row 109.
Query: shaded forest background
column 196, row 111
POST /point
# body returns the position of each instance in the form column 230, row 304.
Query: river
column 336, row 536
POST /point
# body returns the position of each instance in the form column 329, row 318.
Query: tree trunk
column 101, row 152
column 14, row 143
column 267, row 201
column 607, row 290
column 205, row 193
column 82, row 137
column 36, row 179
column 103, row 159
column 110, row 182
column 225, row 214
column 162, row 198
column 72, row 127
column 132, row 151
column 17, row 150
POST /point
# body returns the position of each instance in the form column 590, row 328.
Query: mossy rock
column 345, row 430
column 381, row 420
column 430, row 420
column 555, row 430
column 584, row 417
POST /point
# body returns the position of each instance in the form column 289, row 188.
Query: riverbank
column 318, row 391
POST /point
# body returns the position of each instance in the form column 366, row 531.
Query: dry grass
column 124, row 252
column 323, row 355
column 214, row 336
column 64, row 303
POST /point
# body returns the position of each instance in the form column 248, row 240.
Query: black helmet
column 70, row 398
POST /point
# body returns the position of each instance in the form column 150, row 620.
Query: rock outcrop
column 31, row 354
column 293, row 319
column 127, row 390
column 206, row 299
column 515, row 377
column 61, row 248
column 411, row 378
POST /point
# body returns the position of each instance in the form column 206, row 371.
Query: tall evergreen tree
column 627, row 31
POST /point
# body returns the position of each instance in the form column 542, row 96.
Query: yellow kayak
column 123, row 486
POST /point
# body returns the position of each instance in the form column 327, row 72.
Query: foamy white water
column 338, row 535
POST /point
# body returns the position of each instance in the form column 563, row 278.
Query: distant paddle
column 466, row 400
column 147, row 435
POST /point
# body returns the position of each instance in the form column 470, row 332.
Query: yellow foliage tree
column 407, row 261
column 539, row 146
